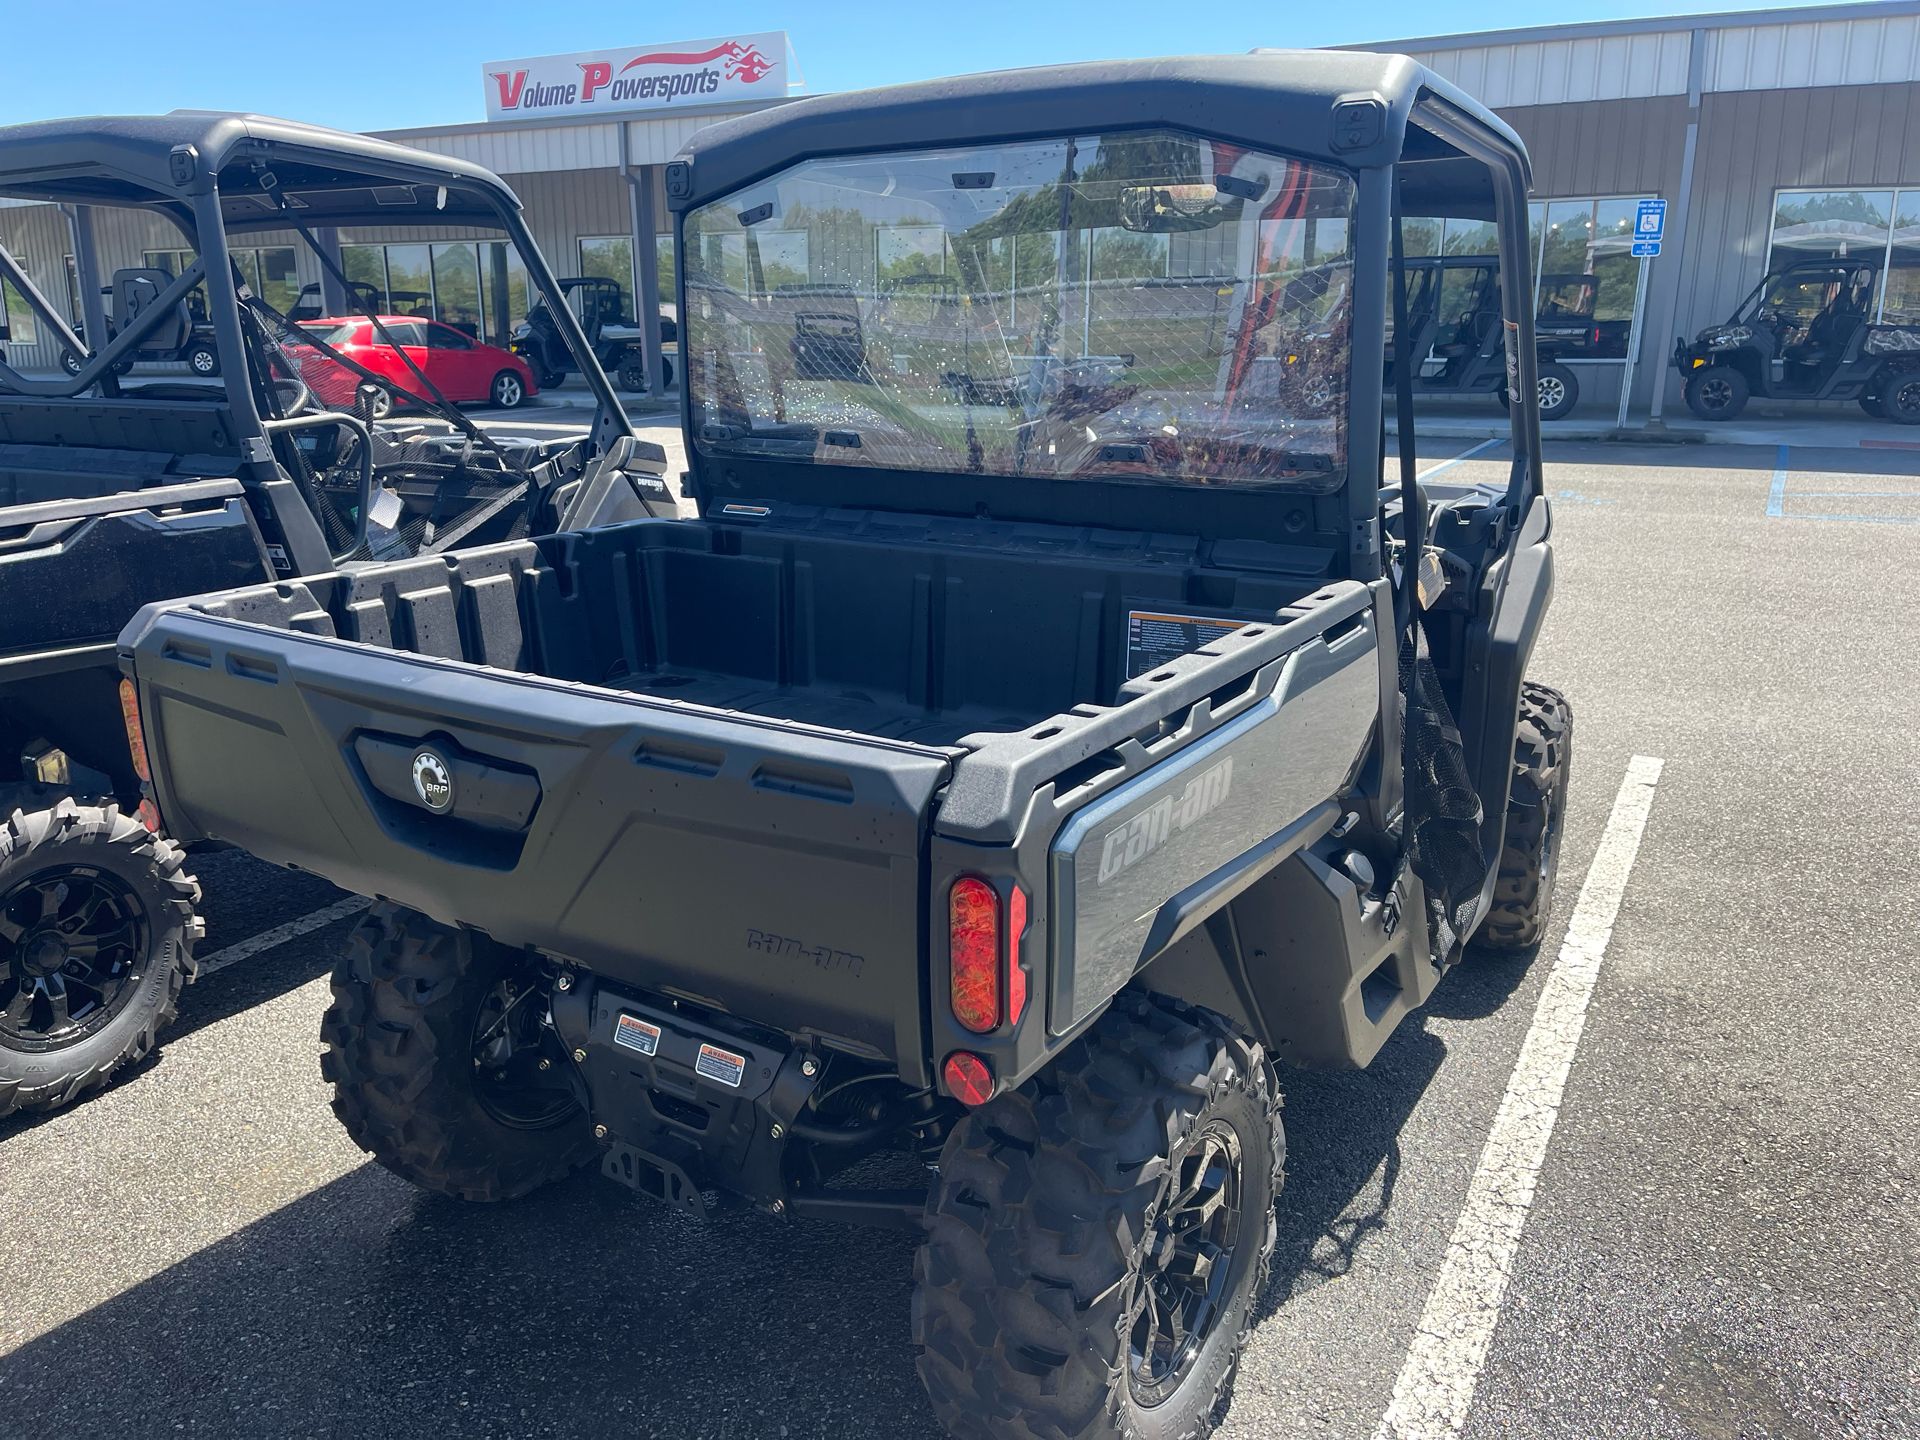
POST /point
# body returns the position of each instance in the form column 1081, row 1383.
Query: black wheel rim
column 1715, row 394
column 1182, row 1286
column 78, row 943
column 1907, row 398
column 515, row 1074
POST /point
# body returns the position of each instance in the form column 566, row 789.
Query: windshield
column 1146, row 306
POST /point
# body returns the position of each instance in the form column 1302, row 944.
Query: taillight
column 973, row 962
column 969, row 1079
column 1016, row 977
column 986, row 979
column 136, row 737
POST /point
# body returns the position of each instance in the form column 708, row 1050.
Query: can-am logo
column 622, row 80
column 1153, row 827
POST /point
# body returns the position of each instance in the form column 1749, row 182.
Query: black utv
column 1002, row 778
column 1454, row 309
column 187, row 340
column 600, row 307
column 1811, row 330
column 114, row 494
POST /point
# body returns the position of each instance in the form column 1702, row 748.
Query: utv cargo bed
column 675, row 751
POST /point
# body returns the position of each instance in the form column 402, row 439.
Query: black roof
column 1273, row 100
column 128, row 160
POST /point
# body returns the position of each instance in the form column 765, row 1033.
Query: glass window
column 367, row 265
column 1839, row 224
column 1472, row 237
column 76, row 307
column 1421, row 236
column 1902, row 289
column 23, row 326
column 279, row 282
column 410, row 279
column 456, row 286
column 1002, row 365
column 610, row 257
column 666, row 277
column 504, row 287
column 445, row 337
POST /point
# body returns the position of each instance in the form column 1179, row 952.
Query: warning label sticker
column 721, row 1065
column 636, row 1034
column 1154, row 637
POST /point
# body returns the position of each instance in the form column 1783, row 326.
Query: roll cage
column 1412, row 143
column 214, row 176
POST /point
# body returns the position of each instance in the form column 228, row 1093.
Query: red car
column 460, row 366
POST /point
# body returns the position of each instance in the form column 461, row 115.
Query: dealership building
column 1770, row 134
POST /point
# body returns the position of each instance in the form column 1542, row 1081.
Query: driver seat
column 135, row 292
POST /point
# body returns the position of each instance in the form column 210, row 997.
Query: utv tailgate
column 768, row 868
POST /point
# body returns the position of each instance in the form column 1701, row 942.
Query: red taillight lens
column 1016, row 977
column 969, row 1079
column 973, row 958
column 136, row 737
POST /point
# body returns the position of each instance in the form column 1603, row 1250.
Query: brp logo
column 433, row 782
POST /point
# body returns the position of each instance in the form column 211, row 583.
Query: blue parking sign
column 1649, row 227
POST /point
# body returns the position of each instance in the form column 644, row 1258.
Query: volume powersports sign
column 649, row 77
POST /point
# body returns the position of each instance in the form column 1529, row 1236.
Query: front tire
column 434, row 1044
column 97, row 925
column 1718, row 392
column 508, row 390
column 1075, row 1219
column 1559, row 391
column 1900, row 399
column 1536, row 811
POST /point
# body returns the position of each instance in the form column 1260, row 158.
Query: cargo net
column 1443, row 810
column 437, row 483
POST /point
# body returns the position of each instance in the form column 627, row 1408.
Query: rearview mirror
column 1164, row 209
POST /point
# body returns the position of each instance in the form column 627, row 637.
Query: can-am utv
column 133, row 291
column 1808, row 331
column 1454, row 311
column 1012, row 764
column 114, row 494
column 599, row 306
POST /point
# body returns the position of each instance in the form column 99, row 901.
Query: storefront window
column 903, row 250
column 1878, row 226
column 23, row 327
column 456, row 287
column 367, row 265
column 1902, row 289
column 278, row 281
column 666, row 276
column 410, row 279
column 610, row 257
column 504, row 289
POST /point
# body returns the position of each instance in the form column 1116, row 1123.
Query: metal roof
column 129, row 159
column 1653, row 25
column 1276, row 100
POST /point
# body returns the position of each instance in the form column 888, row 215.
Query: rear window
column 330, row 332
column 1146, row 306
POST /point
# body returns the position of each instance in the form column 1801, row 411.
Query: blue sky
column 361, row 65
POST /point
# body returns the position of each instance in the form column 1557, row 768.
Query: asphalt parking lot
column 1723, row 1240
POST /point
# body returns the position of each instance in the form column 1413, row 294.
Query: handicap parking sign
column 1649, row 227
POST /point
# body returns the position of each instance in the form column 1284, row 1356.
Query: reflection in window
column 456, row 287
column 1902, row 288
column 1879, row 227
column 610, row 257
column 22, row 324
column 410, row 279
column 1098, row 306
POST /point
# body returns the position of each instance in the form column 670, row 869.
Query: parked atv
column 133, row 291
column 616, row 340
column 1454, row 316
column 1005, row 775
column 1808, row 331
column 112, row 497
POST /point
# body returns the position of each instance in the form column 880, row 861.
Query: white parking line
column 1435, row 1388
column 280, row 934
column 1480, row 449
